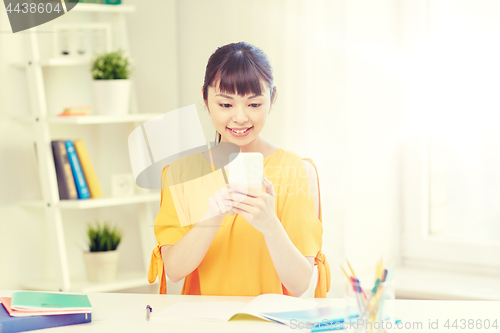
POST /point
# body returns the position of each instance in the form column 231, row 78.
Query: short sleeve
column 298, row 215
column 167, row 227
column 167, row 231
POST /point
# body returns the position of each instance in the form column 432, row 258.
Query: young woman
column 270, row 240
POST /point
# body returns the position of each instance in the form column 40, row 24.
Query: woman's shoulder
column 184, row 165
column 288, row 157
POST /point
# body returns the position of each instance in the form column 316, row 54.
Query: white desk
column 126, row 313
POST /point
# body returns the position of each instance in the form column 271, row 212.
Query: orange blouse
column 238, row 262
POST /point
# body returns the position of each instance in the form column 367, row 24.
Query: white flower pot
column 101, row 266
column 111, row 97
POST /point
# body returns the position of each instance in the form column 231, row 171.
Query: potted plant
column 111, row 72
column 101, row 261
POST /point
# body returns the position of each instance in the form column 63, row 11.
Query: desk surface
column 126, row 313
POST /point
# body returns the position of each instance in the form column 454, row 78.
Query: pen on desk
column 148, row 311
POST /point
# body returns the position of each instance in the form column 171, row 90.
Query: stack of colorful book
column 76, row 177
column 76, row 111
column 30, row 310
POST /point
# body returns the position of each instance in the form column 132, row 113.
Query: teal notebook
column 41, row 301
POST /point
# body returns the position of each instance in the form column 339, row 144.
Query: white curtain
column 456, row 91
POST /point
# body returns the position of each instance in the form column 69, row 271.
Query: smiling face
column 239, row 119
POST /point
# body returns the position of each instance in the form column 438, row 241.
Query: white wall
column 372, row 131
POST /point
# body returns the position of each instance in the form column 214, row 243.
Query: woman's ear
column 273, row 99
column 273, row 95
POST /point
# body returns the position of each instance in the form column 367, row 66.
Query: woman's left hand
column 255, row 206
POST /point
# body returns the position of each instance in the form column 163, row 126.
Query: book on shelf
column 88, row 169
column 69, row 183
column 80, row 182
column 65, row 179
column 76, row 111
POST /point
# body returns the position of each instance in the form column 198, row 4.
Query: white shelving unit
column 138, row 117
column 96, row 203
column 50, row 203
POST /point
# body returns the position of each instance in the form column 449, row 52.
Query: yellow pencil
column 379, row 270
column 345, row 273
column 353, row 275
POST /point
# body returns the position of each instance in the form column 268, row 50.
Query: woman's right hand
column 217, row 204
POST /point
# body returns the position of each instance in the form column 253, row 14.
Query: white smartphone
column 246, row 169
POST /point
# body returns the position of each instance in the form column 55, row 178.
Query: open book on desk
column 225, row 310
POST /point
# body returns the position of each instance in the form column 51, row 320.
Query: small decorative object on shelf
column 101, row 261
column 81, row 48
column 111, row 72
column 81, row 40
column 82, row 110
column 64, row 37
column 122, row 184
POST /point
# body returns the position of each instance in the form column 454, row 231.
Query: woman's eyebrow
column 226, row 96
column 255, row 96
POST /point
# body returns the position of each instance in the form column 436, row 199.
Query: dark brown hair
column 238, row 67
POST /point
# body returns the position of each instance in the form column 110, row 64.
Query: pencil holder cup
column 369, row 308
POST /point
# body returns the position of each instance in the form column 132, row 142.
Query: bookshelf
column 42, row 120
column 98, row 119
column 80, row 284
column 96, row 203
column 59, row 62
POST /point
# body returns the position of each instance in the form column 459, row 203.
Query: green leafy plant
column 102, row 237
column 111, row 66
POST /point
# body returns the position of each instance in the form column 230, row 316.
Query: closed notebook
column 42, row 301
column 10, row 324
column 27, row 313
